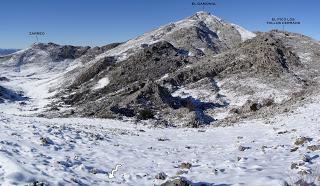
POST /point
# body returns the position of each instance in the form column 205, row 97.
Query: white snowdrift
column 102, row 83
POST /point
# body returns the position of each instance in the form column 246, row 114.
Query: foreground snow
column 83, row 151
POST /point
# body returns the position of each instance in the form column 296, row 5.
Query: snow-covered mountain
column 166, row 92
column 255, row 78
column 38, row 72
column 196, row 71
column 197, row 34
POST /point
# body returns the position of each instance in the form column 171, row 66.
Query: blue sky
column 98, row 22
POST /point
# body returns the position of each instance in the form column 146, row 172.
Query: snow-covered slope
column 36, row 74
column 77, row 151
column 188, row 74
column 39, row 71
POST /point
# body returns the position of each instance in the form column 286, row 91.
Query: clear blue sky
column 98, row 22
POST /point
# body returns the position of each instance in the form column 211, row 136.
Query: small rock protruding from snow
column 243, row 148
column 302, row 140
column 185, row 165
column 306, row 158
column 181, row 181
column 161, row 176
column 314, row 147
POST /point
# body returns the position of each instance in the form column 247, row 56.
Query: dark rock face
column 262, row 55
column 101, row 65
column 60, row 53
column 148, row 65
column 4, row 79
column 133, row 79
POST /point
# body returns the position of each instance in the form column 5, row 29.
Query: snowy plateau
column 243, row 109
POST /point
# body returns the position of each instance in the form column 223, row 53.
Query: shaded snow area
column 36, row 88
column 83, row 151
column 36, row 78
column 102, row 83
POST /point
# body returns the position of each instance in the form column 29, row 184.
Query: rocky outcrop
column 147, row 80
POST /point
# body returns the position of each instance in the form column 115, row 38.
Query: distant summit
column 201, row 33
column 4, row 52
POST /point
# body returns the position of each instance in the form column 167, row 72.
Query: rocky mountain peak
column 206, row 16
column 198, row 34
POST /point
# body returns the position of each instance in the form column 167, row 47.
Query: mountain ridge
column 197, row 71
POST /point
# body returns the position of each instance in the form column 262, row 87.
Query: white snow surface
column 83, row 151
column 204, row 95
column 103, row 82
column 262, row 91
column 245, row 34
column 37, row 76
